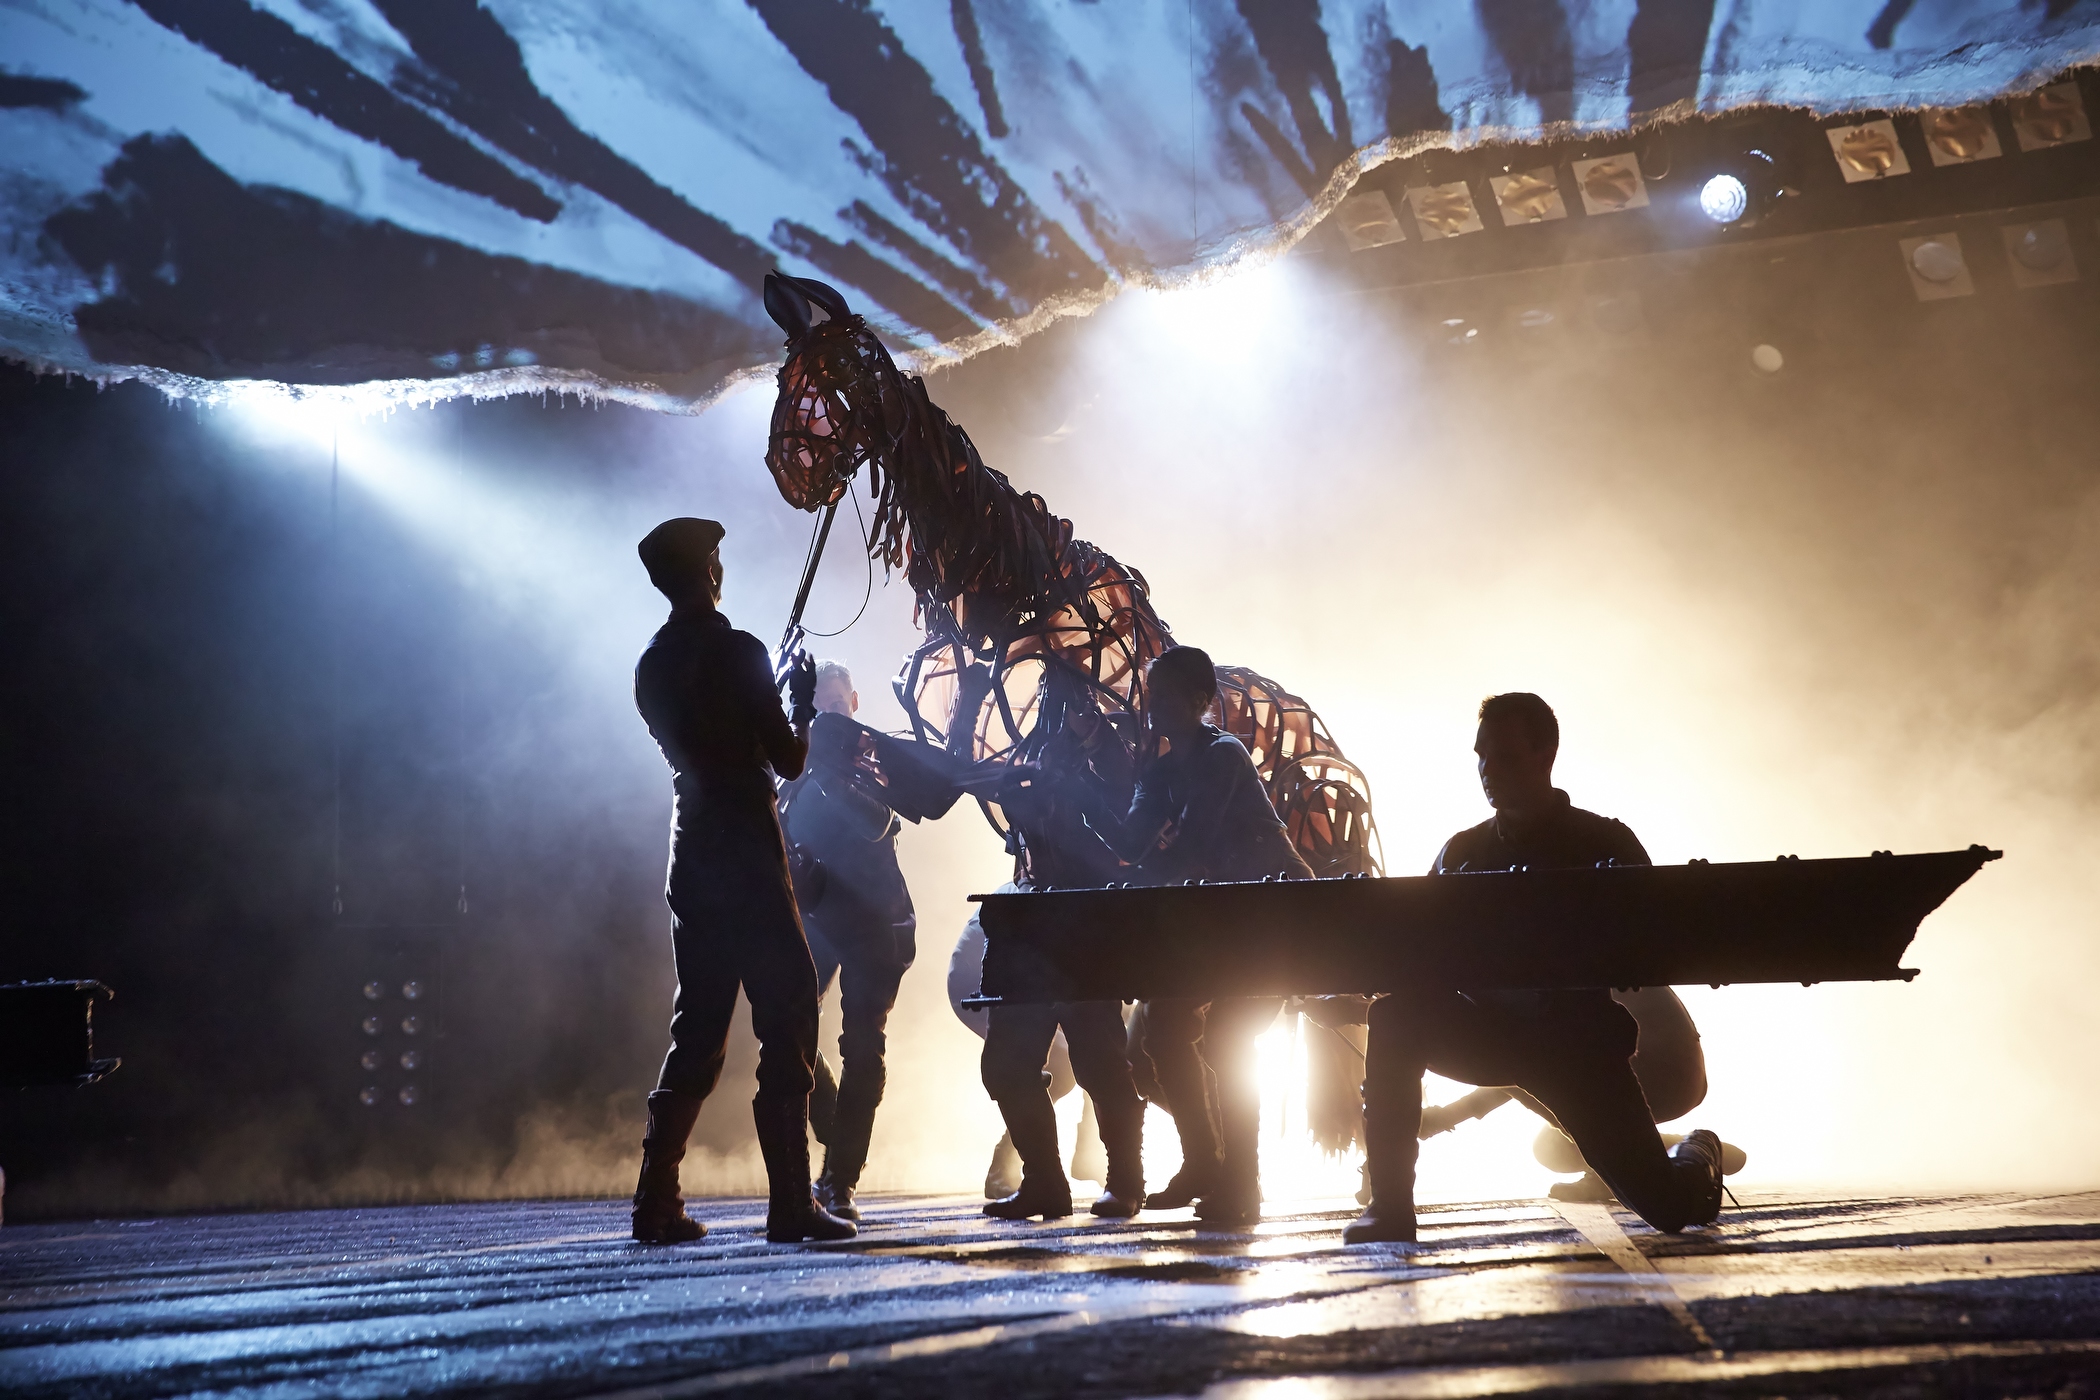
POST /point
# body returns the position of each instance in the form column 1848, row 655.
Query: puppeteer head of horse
column 838, row 406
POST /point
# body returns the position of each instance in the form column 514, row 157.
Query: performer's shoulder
column 653, row 652
column 1596, row 821
column 1466, row 846
column 1609, row 832
column 748, row 645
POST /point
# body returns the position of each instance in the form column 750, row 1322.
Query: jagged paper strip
column 444, row 196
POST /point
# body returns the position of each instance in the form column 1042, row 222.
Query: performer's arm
column 1134, row 835
column 1626, row 848
column 786, row 746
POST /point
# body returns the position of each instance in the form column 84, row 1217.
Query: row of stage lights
column 1738, row 194
column 376, row 1058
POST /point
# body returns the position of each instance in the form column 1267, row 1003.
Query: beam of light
column 1489, row 1158
column 562, row 554
column 271, row 418
column 1230, row 318
column 1293, row 1168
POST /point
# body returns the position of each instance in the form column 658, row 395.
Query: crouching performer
column 707, row 693
column 1200, row 813
column 1568, row 1050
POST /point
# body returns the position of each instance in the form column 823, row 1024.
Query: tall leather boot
column 1089, row 1150
column 1123, row 1138
column 1188, row 1101
column 1235, row 1197
column 659, row 1210
column 823, row 1101
column 852, row 1126
column 1390, row 1148
column 1032, row 1124
column 792, row 1213
column 1003, row 1176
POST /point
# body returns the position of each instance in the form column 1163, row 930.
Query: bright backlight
column 1724, row 199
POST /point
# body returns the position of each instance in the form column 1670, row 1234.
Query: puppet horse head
column 839, row 403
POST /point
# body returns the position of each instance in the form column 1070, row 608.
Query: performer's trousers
column 1181, row 1038
column 870, row 964
column 1016, row 1045
column 1572, row 1057
column 734, row 924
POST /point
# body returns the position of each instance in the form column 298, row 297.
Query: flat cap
column 679, row 549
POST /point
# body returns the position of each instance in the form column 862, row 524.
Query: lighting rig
column 1748, row 178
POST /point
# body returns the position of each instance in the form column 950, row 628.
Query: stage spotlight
column 1936, row 261
column 370, row 1060
column 1724, row 199
column 374, row 990
column 411, row 1024
column 372, row 1025
column 408, row 1095
column 1937, row 266
column 2041, row 253
column 369, row 1095
column 1742, row 191
column 411, row 990
column 411, row 1058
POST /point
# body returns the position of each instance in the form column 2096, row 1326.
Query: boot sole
column 658, row 1237
column 1409, row 1240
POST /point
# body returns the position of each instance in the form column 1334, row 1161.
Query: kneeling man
column 1567, row 1049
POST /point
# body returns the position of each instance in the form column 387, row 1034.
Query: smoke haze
column 1842, row 608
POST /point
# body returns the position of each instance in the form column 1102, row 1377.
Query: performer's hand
column 1021, row 791
column 808, row 876
column 802, row 688
column 1085, row 726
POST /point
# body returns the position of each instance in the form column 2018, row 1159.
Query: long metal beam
column 1787, row 920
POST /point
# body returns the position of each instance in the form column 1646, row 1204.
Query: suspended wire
column 335, row 664
column 866, row 556
column 1193, row 187
column 464, row 814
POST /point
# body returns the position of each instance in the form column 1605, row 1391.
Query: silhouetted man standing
column 1569, row 1050
column 707, row 693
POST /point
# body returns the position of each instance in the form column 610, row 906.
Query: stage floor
column 1991, row 1295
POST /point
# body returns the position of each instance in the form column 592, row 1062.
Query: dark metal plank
column 1779, row 921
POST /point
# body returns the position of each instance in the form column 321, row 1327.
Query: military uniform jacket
column 706, row 692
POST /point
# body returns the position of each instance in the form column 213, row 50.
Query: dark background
column 194, row 635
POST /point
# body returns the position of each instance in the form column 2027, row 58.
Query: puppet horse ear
column 787, row 304
column 788, row 300
column 828, row 297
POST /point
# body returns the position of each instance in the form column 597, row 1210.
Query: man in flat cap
column 707, row 693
